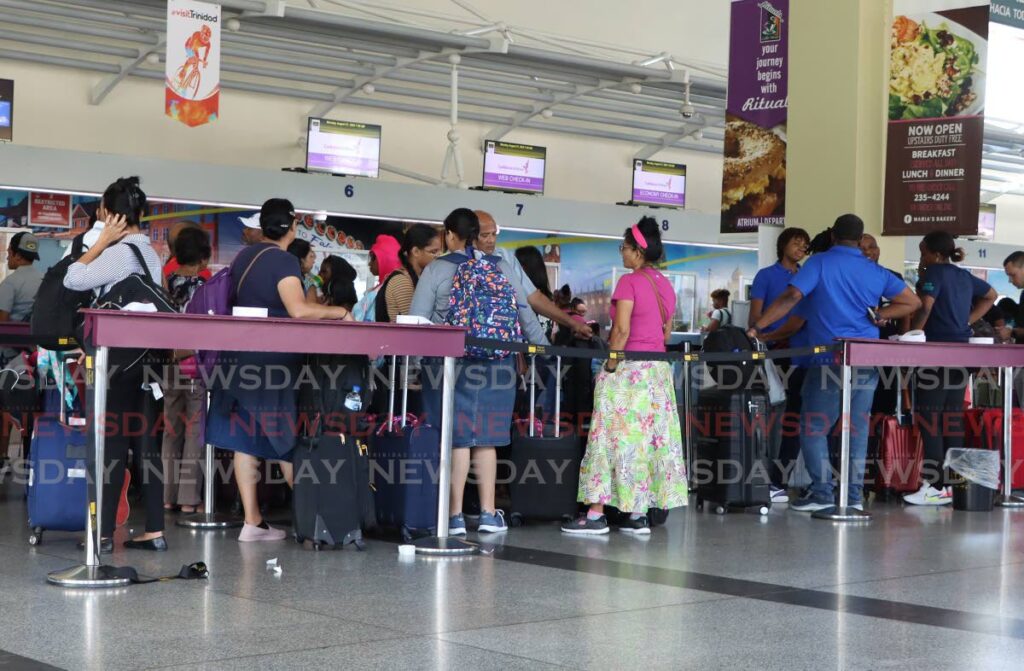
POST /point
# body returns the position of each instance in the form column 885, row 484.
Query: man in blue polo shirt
column 770, row 282
column 838, row 288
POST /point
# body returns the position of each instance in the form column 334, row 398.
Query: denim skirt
column 485, row 393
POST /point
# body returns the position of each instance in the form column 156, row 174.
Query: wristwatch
column 607, row 369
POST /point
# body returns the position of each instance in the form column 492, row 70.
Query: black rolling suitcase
column 731, row 457
column 545, row 468
column 332, row 501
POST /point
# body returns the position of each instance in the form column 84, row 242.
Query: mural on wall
column 588, row 265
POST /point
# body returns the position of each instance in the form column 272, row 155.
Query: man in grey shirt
column 540, row 304
column 18, row 291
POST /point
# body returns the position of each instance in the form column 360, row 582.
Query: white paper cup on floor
column 407, row 550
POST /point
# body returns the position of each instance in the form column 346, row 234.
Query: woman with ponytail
column 120, row 250
column 421, row 244
column 634, row 459
column 952, row 299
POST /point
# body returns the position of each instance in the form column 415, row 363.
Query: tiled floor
column 705, row 592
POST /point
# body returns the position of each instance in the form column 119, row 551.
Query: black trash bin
column 972, row 497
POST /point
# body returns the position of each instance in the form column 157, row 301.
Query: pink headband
column 638, row 236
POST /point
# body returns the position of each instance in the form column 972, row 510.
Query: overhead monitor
column 657, row 183
column 987, row 221
column 343, row 147
column 514, row 167
column 6, row 110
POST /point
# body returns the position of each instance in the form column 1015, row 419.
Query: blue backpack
column 483, row 302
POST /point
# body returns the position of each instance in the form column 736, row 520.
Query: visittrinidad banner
column 193, row 62
column 936, row 124
column 754, row 172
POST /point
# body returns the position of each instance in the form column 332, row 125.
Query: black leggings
column 939, row 416
column 132, row 423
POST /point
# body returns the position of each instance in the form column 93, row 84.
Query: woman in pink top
column 634, row 458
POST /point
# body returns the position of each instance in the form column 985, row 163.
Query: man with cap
column 18, row 291
column 252, row 234
column 487, row 242
column 837, row 291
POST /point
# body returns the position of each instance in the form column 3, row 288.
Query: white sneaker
column 930, row 496
column 779, row 495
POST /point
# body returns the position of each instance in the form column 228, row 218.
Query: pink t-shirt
column 646, row 326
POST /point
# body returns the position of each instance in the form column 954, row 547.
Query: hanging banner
column 936, row 123
column 754, row 169
column 1008, row 12
column 193, row 62
column 49, row 209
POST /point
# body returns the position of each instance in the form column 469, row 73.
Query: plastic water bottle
column 354, row 399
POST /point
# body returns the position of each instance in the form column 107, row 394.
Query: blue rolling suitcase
column 57, row 490
column 404, row 468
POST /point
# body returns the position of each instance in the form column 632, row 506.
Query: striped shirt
column 113, row 265
column 398, row 295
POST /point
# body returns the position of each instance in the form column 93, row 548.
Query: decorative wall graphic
column 192, row 93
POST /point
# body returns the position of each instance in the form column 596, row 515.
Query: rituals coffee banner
column 936, row 123
column 754, row 171
column 192, row 92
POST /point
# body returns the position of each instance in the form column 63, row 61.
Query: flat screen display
column 6, row 110
column 343, row 147
column 657, row 183
column 987, row 221
column 514, row 167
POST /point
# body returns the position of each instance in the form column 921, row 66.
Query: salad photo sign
column 936, row 117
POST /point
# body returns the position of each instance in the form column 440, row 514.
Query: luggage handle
column 391, row 391
column 533, row 396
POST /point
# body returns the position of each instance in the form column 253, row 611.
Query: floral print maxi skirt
column 634, row 458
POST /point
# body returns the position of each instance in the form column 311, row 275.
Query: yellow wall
column 837, row 81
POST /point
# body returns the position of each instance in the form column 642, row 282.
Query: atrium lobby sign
column 192, row 91
column 754, row 171
column 937, row 68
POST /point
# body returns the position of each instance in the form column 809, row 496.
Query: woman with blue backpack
column 482, row 295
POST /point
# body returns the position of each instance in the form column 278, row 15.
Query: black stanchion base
column 83, row 576
column 209, row 521
column 841, row 514
column 445, row 547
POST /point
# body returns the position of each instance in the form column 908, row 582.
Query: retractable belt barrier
column 690, row 357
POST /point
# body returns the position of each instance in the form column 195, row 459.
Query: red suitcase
column 984, row 429
column 900, row 454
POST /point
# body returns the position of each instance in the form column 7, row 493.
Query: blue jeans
column 822, row 406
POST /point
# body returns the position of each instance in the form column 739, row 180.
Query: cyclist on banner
column 199, row 40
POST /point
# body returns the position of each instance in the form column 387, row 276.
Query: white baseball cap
column 251, row 222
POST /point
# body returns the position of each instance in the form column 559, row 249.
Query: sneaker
column 930, row 496
column 809, row 503
column 585, row 526
column 857, row 506
column 492, row 523
column 779, row 495
column 639, row 526
column 456, row 525
column 260, row 532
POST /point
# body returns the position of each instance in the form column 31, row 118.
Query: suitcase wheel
column 516, row 520
column 763, row 510
column 36, row 537
column 720, row 510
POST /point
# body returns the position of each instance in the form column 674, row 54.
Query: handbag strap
column 251, row 264
column 657, row 294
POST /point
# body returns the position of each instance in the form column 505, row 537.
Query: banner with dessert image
column 754, row 169
column 936, row 101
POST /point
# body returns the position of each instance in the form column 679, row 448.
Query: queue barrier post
column 688, row 410
column 442, row 544
column 1007, row 499
column 843, row 512
column 93, row 573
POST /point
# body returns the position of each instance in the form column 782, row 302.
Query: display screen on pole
column 987, row 221
column 657, row 183
column 343, row 148
column 514, row 167
column 6, row 110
